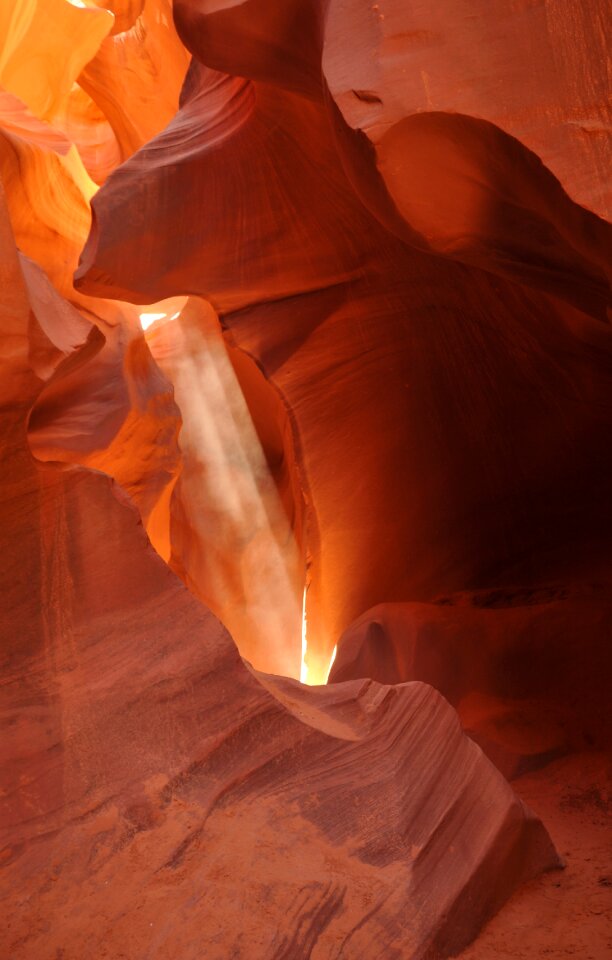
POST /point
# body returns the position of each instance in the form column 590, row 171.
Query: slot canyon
column 305, row 480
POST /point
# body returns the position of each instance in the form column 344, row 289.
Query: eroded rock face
column 415, row 307
column 445, row 366
column 526, row 669
column 159, row 798
column 534, row 69
column 144, row 47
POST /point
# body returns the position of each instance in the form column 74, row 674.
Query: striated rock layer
column 404, row 425
column 535, row 69
column 431, row 310
column 527, row 670
column 159, row 798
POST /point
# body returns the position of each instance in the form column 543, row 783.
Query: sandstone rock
column 159, row 798
column 112, row 410
column 535, row 70
column 417, row 477
column 44, row 48
column 136, row 75
column 409, row 409
column 526, row 669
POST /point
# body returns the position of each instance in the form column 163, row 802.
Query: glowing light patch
column 229, row 491
column 315, row 676
column 331, row 662
column 303, row 666
column 146, row 319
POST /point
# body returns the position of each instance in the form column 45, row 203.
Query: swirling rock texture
column 511, row 662
column 371, row 408
column 146, row 765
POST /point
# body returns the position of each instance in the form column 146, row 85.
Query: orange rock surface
column 145, row 763
column 526, row 669
column 418, row 477
column 306, row 366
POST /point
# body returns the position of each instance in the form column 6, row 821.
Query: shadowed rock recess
column 305, row 471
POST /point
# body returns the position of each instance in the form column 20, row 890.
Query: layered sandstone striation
column 158, row 797
column 313, row 299
column 534, row 69
column 431, row 310
column 527, row 670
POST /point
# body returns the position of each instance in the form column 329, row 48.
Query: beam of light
column 313, row 674
column 303, row 664
column 229, row 527
column 169, row 308
column 331, row 662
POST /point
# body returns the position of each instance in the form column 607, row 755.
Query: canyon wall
column 305, row 355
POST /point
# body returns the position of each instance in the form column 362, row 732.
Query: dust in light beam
column 241, row 553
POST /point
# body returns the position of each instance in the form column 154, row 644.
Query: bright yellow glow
column 315, row 674
column 303, row 665
column 146, row 319
column 331, row 662
column 170, row 308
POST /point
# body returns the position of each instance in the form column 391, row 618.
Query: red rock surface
column 367, row 246
column 526, row 670
column 418, row 478
column 568, row 914
column 159, row 798
column 535, row 69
